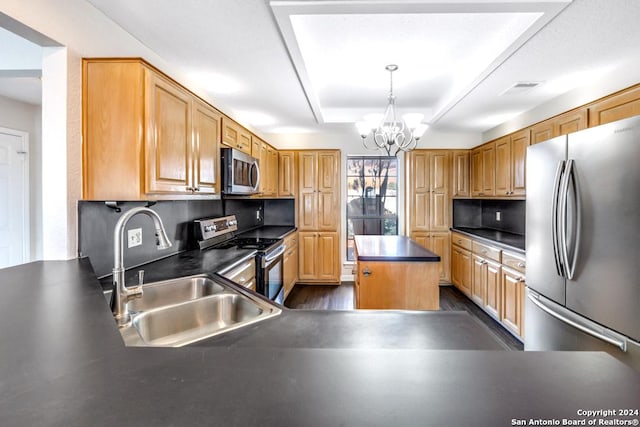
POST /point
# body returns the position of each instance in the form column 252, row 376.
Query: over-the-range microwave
column 240, row 172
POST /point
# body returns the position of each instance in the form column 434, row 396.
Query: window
column 372, row 197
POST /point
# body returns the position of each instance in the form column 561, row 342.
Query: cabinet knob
column 196, row 188
column 366, row 272
column 521, row 264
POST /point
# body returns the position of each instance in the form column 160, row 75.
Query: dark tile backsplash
column 96, row 223
column 482, row 214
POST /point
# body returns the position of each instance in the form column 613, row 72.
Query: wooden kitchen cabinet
column 319, row 190
column 290, row 263
column 503, row 166
column 542, row 132
column 287, row 173
column 486, row 291
column 144, row 136
column 428, row 181
column 513, row 294
column 319, row 257
column 461, row 269
column 428, row 177
column 510, row 163
column 483, row 170
column 569, row 122
column 206, row 134
column 618, row 106
column 268, row 160
column 235, row 136
column 460, row 174
column 438, row 243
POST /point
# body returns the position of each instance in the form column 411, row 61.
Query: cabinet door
column 519, row 143
column 478, row 280
column 256, row 145
column 455, row 266
column 230, row 133
column 503, row 167
column 421, row 238
column 570, row 122
column 620, row 106
column 476, row 172
column 439, row 244
column 488, row 170
column 328, row 191
column 328, row 257
column 168, row 142
column 265, row 176
column 419, row 190
column 206, row 134
column 465, row 271
column 308, row 203
column 273, row 171
column 460, row 174
column 308, row 257
column 512, row 315
column 542, row 131
column 290, row 267
column 492, row 300
column 439, row 191
column 287, row 178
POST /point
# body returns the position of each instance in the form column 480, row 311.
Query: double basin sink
column 177, row 312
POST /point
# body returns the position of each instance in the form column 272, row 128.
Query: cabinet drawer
column 486, row 251
column 514, row 261
column 291, row 241
column 460, row 240
column 244, row 274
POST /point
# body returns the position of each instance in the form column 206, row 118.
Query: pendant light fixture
column 387, row 131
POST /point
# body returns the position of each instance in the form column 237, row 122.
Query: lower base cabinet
column 319, row 257
column 290, row 263
column 491, row 278
column 438, row 243
column 513, row 294
column 461, row 267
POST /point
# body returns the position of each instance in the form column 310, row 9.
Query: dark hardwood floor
column 331, row 297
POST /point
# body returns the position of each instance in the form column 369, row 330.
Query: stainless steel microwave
column 240, row 172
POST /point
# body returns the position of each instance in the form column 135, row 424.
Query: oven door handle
column 275, row 254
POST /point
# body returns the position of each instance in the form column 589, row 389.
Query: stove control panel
column 214, row 227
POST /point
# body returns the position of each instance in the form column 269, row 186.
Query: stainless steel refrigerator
column 583, row 242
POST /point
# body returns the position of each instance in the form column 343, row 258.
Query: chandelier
column 387, row 131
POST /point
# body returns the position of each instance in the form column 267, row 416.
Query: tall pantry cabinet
column 319, row 216
column 429, row 200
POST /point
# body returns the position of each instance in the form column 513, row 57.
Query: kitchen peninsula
column 394, row 272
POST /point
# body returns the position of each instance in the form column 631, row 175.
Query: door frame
column 24, row 150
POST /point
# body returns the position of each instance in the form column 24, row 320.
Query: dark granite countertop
column 64, row 363
column 269, row 231
column 503, row 239
column 392, row 248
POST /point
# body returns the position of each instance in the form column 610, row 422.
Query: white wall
column 27, row 118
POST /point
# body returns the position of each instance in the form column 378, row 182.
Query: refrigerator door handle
column 564, row 200
column 577, row 212
column 555, row 218
column 612, row 338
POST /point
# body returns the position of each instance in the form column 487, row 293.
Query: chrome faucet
column 121, row 293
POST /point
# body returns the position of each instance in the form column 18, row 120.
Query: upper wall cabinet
column 144, row 136
column 460, row 173
column 235, row 136
column 616, row 107
column 571, row 121
column 319, row 190
column 483, row 171
column 287, row 173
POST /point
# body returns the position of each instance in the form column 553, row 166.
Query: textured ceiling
column 317, row 66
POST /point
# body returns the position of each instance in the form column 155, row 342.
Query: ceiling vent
column 520, row 87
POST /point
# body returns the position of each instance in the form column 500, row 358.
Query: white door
column 14, row 214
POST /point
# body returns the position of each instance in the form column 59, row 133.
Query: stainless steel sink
column 168, row 292
column 177, row 312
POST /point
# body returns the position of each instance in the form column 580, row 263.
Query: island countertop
column 64, row 363
column 392, row 248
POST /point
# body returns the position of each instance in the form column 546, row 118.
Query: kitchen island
column 64, row 363
column 394, row 272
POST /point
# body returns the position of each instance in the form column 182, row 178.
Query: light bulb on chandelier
column 387, row 131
